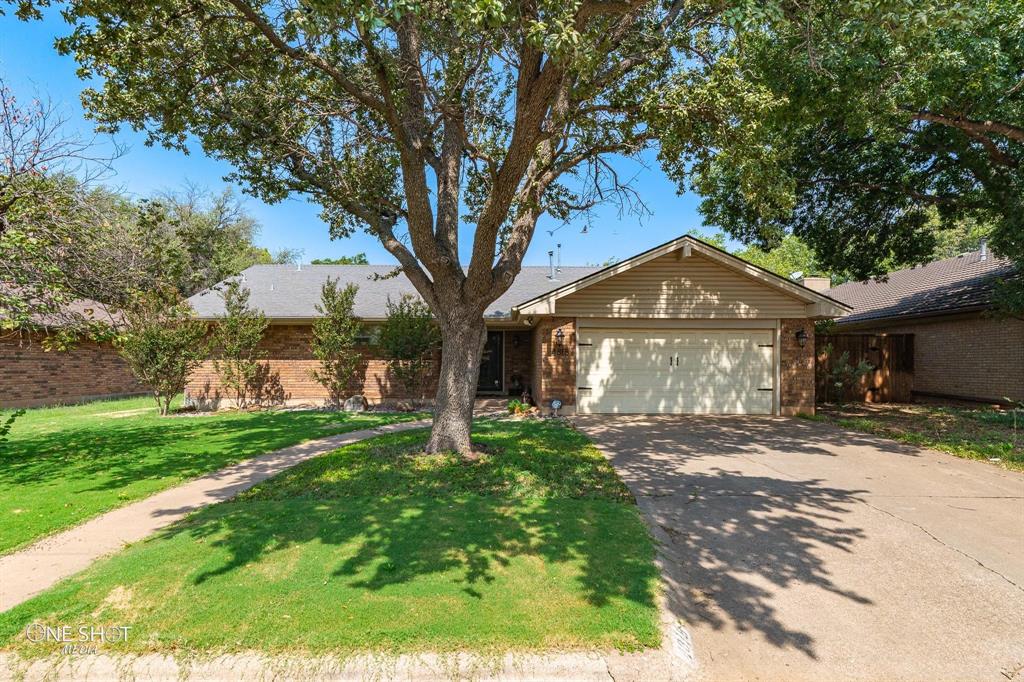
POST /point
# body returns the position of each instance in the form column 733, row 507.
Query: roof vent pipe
column 558, row 264
column 551, row 265
column 983, row 249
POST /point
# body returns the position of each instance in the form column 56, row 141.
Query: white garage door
column 675, row 372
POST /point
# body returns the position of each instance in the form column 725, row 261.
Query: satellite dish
column 797, row 275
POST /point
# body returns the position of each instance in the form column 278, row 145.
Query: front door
column 491, row 364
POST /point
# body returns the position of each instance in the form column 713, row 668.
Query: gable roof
column 818, row 304
column 286, row 292
column 960, row 284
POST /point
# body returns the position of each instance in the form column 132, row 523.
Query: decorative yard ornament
column 556, row 404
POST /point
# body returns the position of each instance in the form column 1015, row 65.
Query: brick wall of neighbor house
column 518, row 358
column 32, row 377
column 971, row 357
column 289, row 361
column 554, row 366
column 796, row 368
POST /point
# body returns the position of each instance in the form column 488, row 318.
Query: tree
column 897, row 122
column 840, row 375
column 214, row 233
column 358, row 259
column 962, row 236
column 792, row 255
column 50, row 219
column 409, row 338
column 334, row 339
column 162, row 343
column 407, row 118
column 237, row 337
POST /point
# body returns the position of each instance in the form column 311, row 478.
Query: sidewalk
column 27, row 572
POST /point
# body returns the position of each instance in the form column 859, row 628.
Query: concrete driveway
column 793, row 550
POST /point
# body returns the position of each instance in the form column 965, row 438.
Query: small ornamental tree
column 334, row 339
column 237, row 336
column 163, row 344
column 408, row 339
column 841, row 374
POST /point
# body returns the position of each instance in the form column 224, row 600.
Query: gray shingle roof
column 965, row 282
column 285, row 291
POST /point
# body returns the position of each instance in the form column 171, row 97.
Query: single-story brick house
column 31, row 376
column 681, row 328
column 961, row 350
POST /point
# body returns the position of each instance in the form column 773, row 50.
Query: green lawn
column 980, row 433
column 377, row 547
column 63, row 465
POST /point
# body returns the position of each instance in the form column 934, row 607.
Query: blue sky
column 31, row 66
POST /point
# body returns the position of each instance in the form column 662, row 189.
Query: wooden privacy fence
column 890, row 355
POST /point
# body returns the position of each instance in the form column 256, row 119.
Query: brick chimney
column 816, row 283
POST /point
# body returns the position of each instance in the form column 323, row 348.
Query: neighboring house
column 31, row 376
column 960, row 349
column 682, row 328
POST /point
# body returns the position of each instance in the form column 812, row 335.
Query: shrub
column 408, row 339
column 163, row 344
column 237, row 336
column 516, row 406
column 841, row 375
column 334, row 339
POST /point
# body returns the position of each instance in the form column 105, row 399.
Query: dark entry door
column 491, row 364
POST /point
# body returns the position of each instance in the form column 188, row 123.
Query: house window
column 368, row 337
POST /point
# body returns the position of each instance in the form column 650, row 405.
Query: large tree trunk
column 461, row 347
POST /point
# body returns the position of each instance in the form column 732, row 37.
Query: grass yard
column 63, row 465
column 973, row 433
column 376, row 547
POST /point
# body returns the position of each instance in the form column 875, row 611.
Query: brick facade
column 33, row 377
column 796, row 366
column 533, row 357
column 974, row 357
column 288, row 364
column 554, row 364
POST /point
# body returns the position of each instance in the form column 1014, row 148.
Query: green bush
column 163, row 344
column 334, row 339
column 237, row 336
column 408, row 339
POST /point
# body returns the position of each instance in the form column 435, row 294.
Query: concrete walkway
column 29, row 571
column 794, row 550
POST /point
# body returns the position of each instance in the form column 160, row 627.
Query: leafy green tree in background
column 334, row 340
column 162, row 343
column 236, row 342
column 409, row 338
column 358, row 259
column 896, row 127
column 791, row 256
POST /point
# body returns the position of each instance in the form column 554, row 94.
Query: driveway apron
column 793, row 550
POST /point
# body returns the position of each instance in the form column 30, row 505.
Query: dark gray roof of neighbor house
column 963, row 283
column 289, row 291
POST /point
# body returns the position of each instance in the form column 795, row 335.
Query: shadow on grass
column 544, row 493
column 472, row 540
column 119, row 452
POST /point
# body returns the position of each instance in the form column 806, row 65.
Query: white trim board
column 817, row 304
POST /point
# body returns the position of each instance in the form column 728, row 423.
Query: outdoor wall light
column 801, row 338
column 558, row 348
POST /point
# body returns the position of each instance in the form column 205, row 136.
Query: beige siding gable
column 677, row 286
